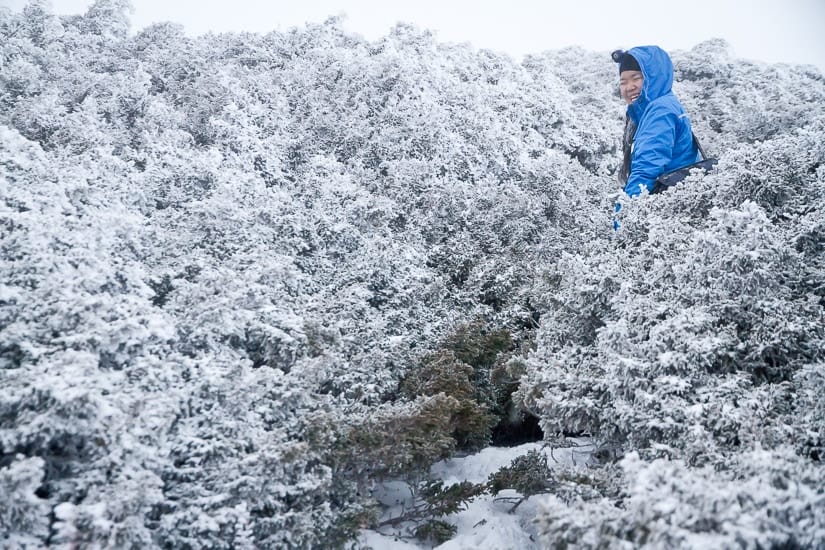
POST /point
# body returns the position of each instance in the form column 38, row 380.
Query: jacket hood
column 657, row 70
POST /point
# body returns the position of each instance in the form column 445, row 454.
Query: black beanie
column 626, row 61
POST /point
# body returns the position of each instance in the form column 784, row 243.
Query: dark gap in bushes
column 512, row 434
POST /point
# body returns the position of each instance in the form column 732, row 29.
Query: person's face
column 630, row 85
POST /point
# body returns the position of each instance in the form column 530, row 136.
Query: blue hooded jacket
column 664, row 138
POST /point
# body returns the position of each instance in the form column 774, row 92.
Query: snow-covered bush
column 25, row 516
column 233, row 262
column 695, row 335
column 528, row 474
column 763, row 499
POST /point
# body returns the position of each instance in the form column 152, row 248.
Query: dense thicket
column 692, row 346
column 238, row 269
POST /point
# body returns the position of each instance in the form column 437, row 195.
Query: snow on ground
column 486, row 523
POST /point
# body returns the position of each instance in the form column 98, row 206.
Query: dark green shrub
column 444, row 374
column 435, row 531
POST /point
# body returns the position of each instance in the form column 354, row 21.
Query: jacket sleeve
column 652, row 148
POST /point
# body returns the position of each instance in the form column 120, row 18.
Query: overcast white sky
column 766, row 30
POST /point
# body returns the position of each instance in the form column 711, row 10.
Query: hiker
column 658, row 137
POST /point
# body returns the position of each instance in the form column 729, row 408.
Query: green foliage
column 479, row 346
column 435, row 532
column 443, row 374
column 468, row 366
column 444, row 500
column 348, row 524
column 433, row 500
column 443, row 407
column 400, row 440
column 528, row 474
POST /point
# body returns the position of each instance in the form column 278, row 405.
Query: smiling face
column 630, row 85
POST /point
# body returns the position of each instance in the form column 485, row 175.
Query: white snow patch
column 487, row 523
column 378, row 541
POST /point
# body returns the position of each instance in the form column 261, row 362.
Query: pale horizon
column 762, row 30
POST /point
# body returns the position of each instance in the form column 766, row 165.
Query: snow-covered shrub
column 24, row 521
column 763, row 499
column 528, row 475
column 680, row 320
column 444, row 405
column 808, row 415
column 732, row 101
column 695, row 335
column 224, row 255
